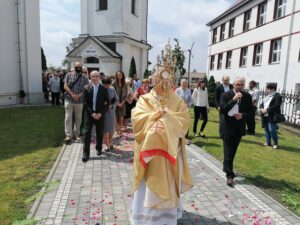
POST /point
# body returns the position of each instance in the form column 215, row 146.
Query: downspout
column 19, row 46
column 289, row 47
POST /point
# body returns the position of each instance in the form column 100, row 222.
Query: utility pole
column 189, row 64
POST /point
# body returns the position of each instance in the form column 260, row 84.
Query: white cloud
column 185, row 20
column 60, row 22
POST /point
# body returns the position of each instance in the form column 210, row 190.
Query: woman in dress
column 110, row 115
column 121, row 89
column 130, row 100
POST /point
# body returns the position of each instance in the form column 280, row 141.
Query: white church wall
column 30, row 55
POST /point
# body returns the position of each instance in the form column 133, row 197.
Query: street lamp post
column 189, row 64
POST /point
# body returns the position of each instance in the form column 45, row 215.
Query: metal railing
column 290, row 106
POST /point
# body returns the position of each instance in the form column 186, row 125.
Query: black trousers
column 251, row 120
column 197, row 112
column 99, row 134
column 55, row 98
column 231, row 143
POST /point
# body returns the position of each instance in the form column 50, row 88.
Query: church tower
column 112, row 33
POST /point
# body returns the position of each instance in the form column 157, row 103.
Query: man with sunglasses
column 74, row 86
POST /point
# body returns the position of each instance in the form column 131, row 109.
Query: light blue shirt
column 96, row 87
column 186, row 95
column 226, row 88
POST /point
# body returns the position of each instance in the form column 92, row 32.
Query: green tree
column 132, row 69
column 211, row 87
column 147, row 73
column 180, row 59
column 44, row 61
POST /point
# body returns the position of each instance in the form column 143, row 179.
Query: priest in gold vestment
column 160, row 121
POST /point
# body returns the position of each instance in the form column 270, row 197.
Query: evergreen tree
column 180, row 58
column 147, row 73
column 132, row 69
column 44, row 61
column 211, row 87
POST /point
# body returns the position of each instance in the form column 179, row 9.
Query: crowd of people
column 158, row 111
column 110, row 109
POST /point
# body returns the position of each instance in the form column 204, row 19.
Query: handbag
column 279, row 118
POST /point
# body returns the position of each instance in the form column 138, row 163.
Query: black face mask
column 78, row 70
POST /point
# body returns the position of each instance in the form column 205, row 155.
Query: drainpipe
column 289, row 47
column 19, row 45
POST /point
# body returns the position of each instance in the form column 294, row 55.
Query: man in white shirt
column 254, row 92
column 54, row 86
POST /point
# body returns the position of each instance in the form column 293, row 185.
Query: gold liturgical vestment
column 158, row 141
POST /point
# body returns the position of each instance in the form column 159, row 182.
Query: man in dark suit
column 220, row 89
column 95, row 103
column 234, row 106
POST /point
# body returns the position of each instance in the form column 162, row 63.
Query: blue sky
column 185, row 20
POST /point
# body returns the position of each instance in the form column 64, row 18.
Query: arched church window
column 93, row 60
column 102, row 4
column 133, row 7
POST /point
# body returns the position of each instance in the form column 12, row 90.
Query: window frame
column 278, row 7
column 258, row 54
column 276, row 52
column 220, row 61
column 231, row 28
column 100, row 3
column 212, row 62
column 214, row 35
column 228, row 60
column 222, row 32
column 247, row 21
column 260, row 14
column 244, row 57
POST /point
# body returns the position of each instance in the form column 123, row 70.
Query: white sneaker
column 275, row 146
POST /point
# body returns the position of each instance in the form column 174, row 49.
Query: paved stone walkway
column 99, row 192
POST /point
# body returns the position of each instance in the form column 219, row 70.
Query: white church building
column 112, row 33
column 259, row 39
column 20, row 55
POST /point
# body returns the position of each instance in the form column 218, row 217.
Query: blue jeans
column 271, row 132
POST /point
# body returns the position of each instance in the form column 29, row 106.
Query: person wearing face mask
column 74, row 86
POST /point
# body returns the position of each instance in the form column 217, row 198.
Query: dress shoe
column 68, row 140
column 85, row 158
column 230, row 182
column 98, row 152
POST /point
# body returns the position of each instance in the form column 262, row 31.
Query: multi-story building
column 20, row 54
column 259, row 39
column 112, row 33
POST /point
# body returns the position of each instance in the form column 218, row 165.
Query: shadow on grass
column 206, row 144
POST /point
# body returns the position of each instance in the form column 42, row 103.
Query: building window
column 228, row 59
column 133, row 7
column 222, row 33
column 299, row 56
column 231, row 28
column 247, row 20
column 102, row 5
column 243, row 57
column 261, row 14
column 280, row 7
column 212, row 62
column 214, row 37
column 275, row 51
column 92, row 60
column 220, row 61
column 257, row 56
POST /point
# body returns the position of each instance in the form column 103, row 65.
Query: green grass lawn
column 277, row 172
column 30, row 140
